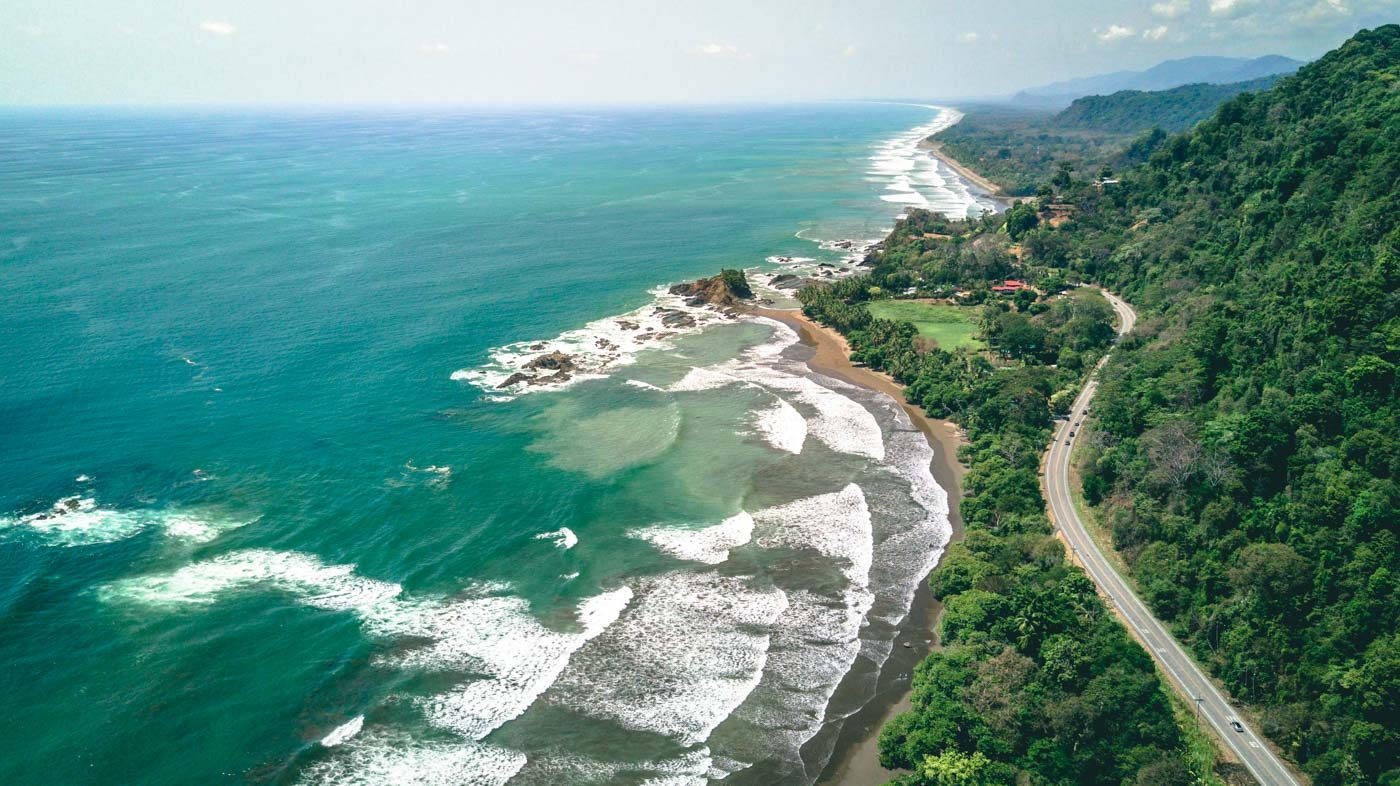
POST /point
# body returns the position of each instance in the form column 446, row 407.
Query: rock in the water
column 515, row 378
column 789, row 281
column 725, row 289
column 675, row 318
column 554, row 361
column 552, row 379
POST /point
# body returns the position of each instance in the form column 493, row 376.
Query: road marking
column 1134, row 611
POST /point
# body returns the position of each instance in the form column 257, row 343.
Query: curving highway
column 1212, row 705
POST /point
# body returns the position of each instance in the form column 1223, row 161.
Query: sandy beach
column 857, row 759
column 989, row 189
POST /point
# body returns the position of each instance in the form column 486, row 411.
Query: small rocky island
column 729, row 291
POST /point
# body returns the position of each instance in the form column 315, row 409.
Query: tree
column 1018, row 337
column 1020, row 219
column 955, row 768
column 1165, row 772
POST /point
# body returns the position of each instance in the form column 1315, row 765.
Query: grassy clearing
column 950, row 327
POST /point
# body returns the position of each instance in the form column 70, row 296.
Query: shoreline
column 856, row 758
column 989, row 189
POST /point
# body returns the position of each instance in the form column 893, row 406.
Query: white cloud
column 1113, row 33
column 1320, row 11
column 850, row 51
column 716, row 50
column 217, row 27
column 126, row 30
column 1230, row 8
column 33, row 31
column 1155, row 34
column 434, row 48
column 969, row 37
column 1171, row 9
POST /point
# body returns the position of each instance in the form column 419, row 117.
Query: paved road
column 1182, row 672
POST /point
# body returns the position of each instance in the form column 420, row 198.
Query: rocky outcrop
column 554, row 361
column 560, row 363
column 675, row 318
column 789, row 281
column 728, row 289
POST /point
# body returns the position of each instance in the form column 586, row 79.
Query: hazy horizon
column 592, row 53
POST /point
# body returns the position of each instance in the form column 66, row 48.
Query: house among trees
column 1010, row 286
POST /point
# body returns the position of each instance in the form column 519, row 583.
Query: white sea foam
column 79, row 521
column 710, row 545
column 914, row 177
column 306, row 577
column 684, row 655
column 437, row 476
column 497, row 636
column 695, row 767
column 698, row 379
column 840, row 423
column 912, row 551
column 817, row 638
column 197, row 529
column 814, row 645
column 837, row 525
column 782, row 426
column 782, row 337
column 596, row 350
column 493, row 637
column 837, row 421
column 382, row 758
column 563, row 537
column 344, row 731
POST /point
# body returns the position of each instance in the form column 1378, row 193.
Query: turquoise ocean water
column 265, row 516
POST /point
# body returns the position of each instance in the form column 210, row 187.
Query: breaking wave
column 79, row 521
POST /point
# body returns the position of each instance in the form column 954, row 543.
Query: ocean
column 267, row 514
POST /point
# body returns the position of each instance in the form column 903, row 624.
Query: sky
column 622, row 51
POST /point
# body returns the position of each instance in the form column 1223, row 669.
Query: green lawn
column 947, row 326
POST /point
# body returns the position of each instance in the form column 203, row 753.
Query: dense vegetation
column 1134, row 111
column 1034, row 678
column 1245, row 453
column 1019, row 149
column 1248, row 443
column 1024, row 148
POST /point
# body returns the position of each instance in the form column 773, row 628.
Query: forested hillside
column 1035, row 679
column 1023, row 148
column 1248, row 438
column 1134, row 111
column 1019, row 149
column 1244, row 452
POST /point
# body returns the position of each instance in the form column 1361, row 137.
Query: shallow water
column 264, row 515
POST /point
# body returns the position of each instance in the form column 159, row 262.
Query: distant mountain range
column 1163, row 76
